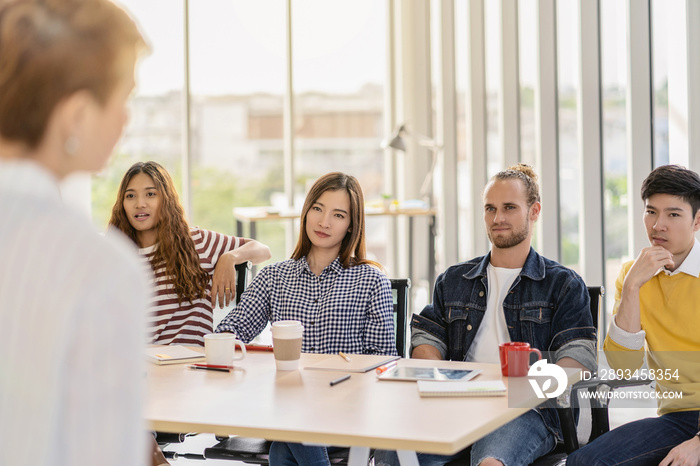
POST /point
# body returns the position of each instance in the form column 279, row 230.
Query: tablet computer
column 428, row 373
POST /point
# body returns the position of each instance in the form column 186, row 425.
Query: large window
column 569, row 154
column 494, row 146
column 614, row 87
column 660, row 44
column 338, row 75
column 238, row 79
column 527, row 41
column 155, row 128
column 465, row 203
column 672, row 81
column 238, row 140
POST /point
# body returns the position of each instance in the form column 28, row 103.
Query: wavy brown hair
column 352, row 248
column 176, row 250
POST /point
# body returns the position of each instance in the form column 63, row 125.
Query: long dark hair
column 352, row 248
column 176, row 250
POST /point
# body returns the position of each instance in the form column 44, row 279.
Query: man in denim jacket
column 511, row 294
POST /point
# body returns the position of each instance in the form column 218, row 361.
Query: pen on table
column 207, row 368
column 258, row 348
column 344, row 356
column 342, row 379
column 386, row 367
column 213, row 365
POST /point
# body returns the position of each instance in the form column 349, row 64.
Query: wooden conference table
column 255, row 400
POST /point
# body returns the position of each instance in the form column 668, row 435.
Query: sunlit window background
column 237, row 79
column 342, row 96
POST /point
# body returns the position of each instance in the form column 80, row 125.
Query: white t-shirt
column 493, row 329
column 71, row 332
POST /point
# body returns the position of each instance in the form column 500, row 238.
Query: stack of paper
column 473, row 388
column 173, row 354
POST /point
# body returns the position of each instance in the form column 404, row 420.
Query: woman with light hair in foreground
column 71, row 302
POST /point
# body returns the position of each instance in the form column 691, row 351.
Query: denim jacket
column 547, row 306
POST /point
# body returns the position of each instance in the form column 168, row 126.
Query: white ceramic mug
column 220, row 348
column 286, row 343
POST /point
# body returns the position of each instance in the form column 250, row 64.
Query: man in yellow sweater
column 657, row 302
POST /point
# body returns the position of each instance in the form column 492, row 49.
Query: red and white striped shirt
column 169, row 322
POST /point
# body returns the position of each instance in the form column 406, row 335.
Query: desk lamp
column 396, row 141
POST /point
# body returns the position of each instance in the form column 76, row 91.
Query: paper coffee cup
column 286, row 343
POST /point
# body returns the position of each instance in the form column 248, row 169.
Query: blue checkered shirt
column 348, row 310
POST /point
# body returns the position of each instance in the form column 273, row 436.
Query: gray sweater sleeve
column 421, row 337
column 582, row 350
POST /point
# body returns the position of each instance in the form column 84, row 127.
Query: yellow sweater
column 670, row 316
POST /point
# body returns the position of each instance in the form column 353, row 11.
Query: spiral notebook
column 428, row 388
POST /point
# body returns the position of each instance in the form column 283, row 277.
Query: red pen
column 386, row 367
column 258, row 348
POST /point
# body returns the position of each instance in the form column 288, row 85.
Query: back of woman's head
column 50, row 49
column 352, row 248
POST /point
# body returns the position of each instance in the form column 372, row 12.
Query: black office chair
column 256, row 451
column 598, row 414
column 399, row 290
column 242, row 271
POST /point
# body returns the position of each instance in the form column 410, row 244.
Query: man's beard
column 516, row 237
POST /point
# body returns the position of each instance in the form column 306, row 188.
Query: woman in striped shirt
column 190, row 267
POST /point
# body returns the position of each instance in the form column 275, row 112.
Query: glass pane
column 339, row 64
column 659, row 40
column 527, row 40
column 435, row 61
column 465, row 202
column 671, row 87
column 494, row 149
column 613, row 48
column 237, row 76
column 568, row 75
column 154, row 131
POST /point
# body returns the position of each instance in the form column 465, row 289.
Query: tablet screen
column 428, row 373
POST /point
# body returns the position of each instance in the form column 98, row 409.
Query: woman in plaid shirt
column 342, row 299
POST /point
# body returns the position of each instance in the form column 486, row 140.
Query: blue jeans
column 519, row 442
column 293, row 454
column 643, row 442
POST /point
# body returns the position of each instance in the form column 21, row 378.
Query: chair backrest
column 399, row 290
column 596, row 294
column 242, row 271
column 573, row 433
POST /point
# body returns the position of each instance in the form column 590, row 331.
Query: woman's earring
column 71, row 145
